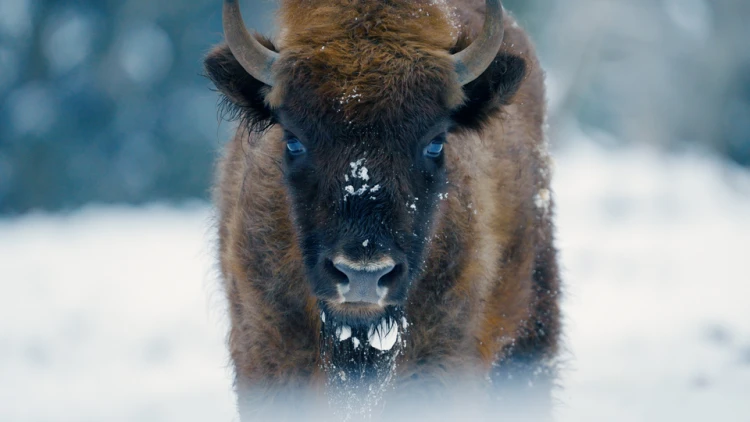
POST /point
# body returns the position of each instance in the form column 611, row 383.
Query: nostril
column 389, row 278
column 337, row 275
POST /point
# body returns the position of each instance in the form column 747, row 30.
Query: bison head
column 367, row 95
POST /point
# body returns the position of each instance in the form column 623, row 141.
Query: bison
column 384, row 212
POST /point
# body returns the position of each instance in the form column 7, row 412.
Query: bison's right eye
column 295, row 147
column 435, row 148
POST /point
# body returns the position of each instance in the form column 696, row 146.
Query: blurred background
column 108, row 137
column 104, row 100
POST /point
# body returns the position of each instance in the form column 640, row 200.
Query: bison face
column 364, row 201
column 365, row 116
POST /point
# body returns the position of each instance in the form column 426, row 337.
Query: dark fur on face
column 365, row 192
column 369, row 84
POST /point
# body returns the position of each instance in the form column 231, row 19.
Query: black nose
column 363, row 280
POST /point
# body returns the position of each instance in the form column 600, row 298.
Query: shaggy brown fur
column 486, row 302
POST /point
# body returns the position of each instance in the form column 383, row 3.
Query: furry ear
column 243, row 95
column 490, row 91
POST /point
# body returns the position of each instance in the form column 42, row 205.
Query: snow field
column 114, row 313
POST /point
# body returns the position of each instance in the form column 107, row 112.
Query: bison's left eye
column 295, row 147
column 435, row 148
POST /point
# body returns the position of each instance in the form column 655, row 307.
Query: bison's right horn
column 477, row 57
column 256, row 59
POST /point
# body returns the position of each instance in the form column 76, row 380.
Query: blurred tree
column 530, row 13
column 107, row 101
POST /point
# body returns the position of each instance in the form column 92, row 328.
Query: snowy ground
column 112, row 314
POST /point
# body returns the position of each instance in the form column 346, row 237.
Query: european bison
column 384, row 207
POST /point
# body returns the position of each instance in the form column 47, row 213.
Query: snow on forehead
column 358, row 170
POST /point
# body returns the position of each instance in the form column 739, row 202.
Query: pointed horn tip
column 477, row 57
column 255, row 58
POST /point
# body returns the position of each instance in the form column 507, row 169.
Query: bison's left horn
column 477, row 57
column 256, row 59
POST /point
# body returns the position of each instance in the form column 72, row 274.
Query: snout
column 363, row 279
column 366, row 282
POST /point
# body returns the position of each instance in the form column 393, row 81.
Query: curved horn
column 256, row 59
column 477, row 57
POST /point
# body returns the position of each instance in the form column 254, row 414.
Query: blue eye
column 295, row 147
column 435, row 148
